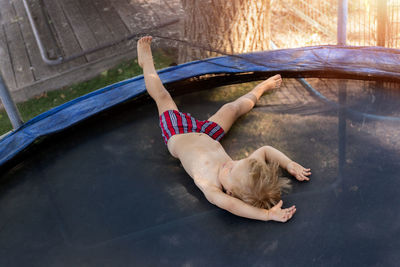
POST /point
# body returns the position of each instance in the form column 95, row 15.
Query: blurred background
column 52, row 51
column 312, row 22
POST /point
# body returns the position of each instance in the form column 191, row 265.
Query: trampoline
column 90, row 183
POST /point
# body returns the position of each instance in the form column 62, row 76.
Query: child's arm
column 269, row 153
column 240, row 208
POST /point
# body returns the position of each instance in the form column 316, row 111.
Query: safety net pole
column 9, row 105
column 341, row 40
column 342, row 22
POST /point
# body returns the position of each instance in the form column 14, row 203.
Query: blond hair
column 263, row 187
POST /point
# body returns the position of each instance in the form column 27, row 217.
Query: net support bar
column 9, row 105
column 342, row 22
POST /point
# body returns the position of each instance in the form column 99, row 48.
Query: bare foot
column 144, row 51
column 273, row 82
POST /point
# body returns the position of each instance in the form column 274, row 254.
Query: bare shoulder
column 205, row 185
column 208, row 188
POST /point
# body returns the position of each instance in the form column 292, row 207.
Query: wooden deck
column 73, row 26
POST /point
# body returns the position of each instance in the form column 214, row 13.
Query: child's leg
column 154, row 86
column 231, row 111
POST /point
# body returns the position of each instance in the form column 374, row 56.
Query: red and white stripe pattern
column 175, row 122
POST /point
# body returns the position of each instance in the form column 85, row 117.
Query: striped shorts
column 175, row 122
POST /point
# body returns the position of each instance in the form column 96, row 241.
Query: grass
column 49, row 100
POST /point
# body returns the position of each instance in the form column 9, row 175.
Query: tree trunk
column 229, row 26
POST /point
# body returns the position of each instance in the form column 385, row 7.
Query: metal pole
column 60, row 60
column 342, row 126
column 341, row 40
column 382, row 20
column 342, row 22
column 9, row 105
column 42, row 50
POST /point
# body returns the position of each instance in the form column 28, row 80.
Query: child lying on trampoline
column 249, row 187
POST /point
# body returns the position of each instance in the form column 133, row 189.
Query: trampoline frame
column 365, row 63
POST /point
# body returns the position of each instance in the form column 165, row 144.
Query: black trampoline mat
column 107, row 193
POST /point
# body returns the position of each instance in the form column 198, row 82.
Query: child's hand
column 276, row 213
column 298, row 171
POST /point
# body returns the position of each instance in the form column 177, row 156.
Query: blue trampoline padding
column 361, row 62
